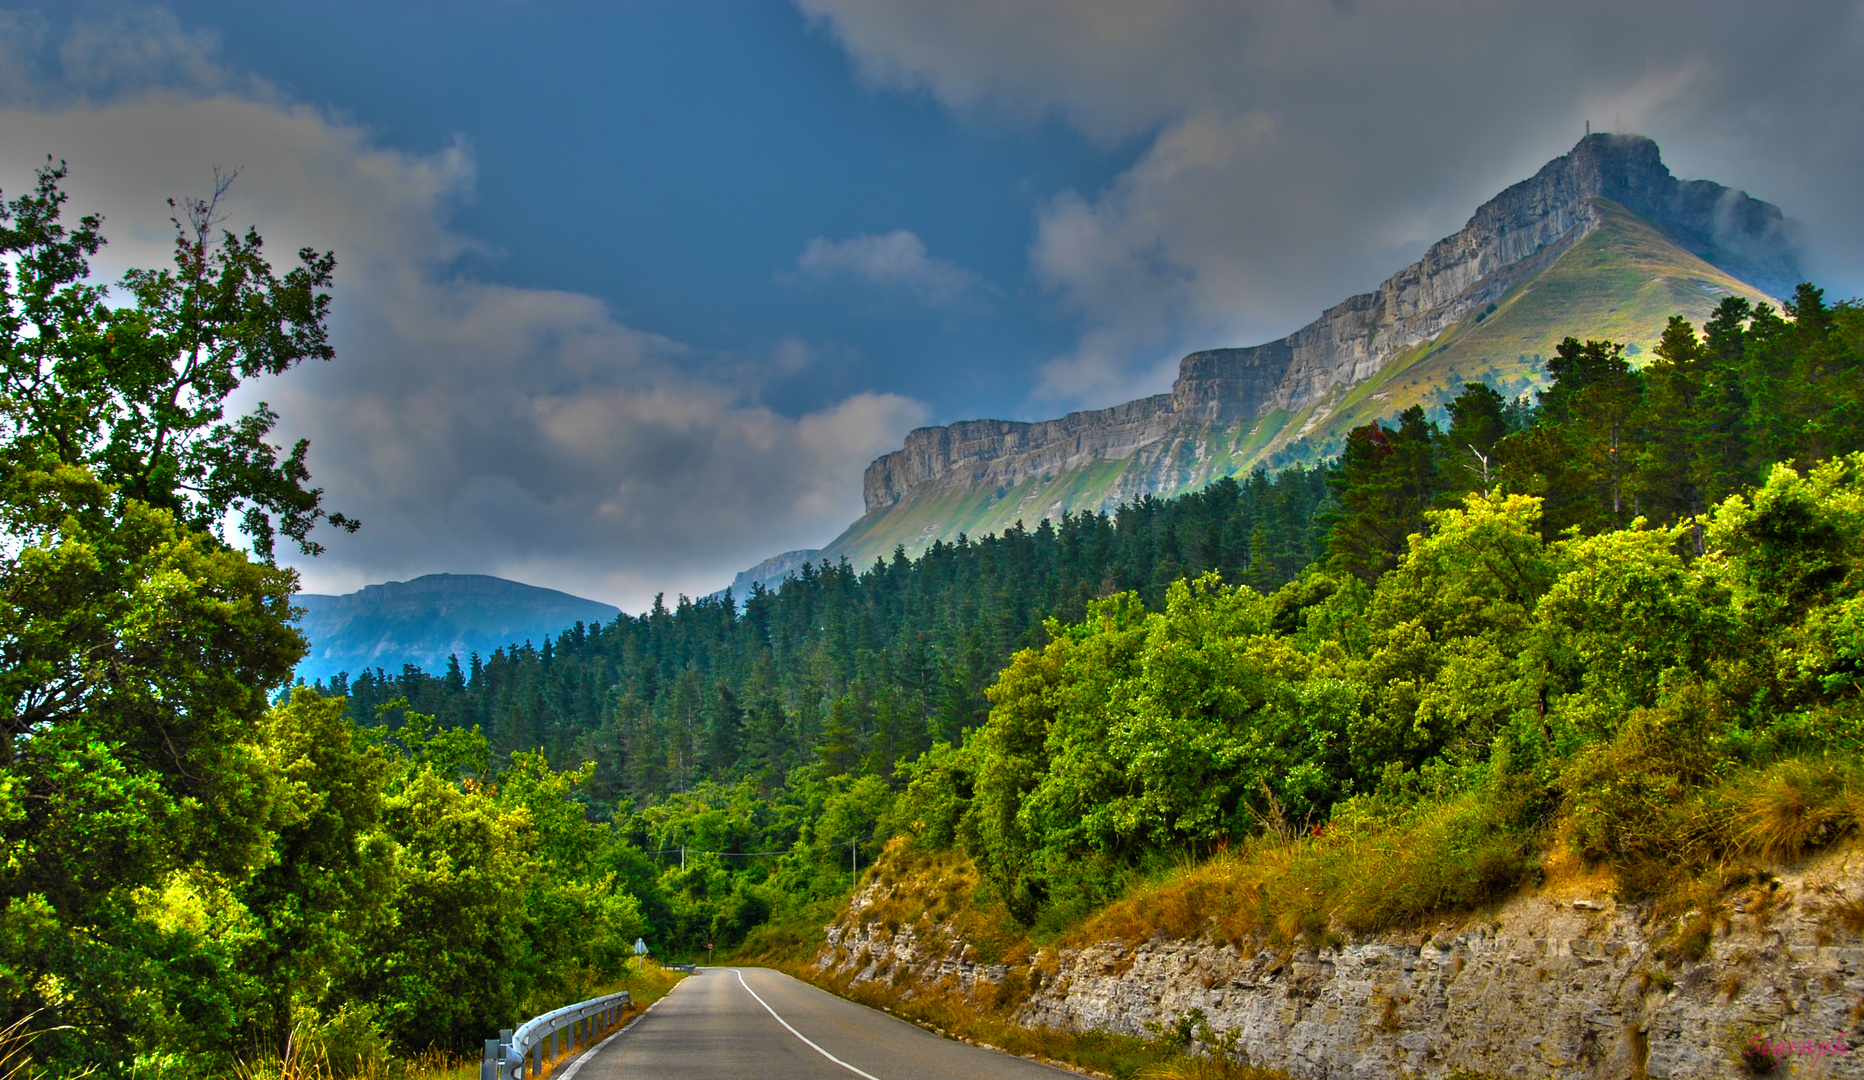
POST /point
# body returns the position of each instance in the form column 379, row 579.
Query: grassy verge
column 1368, row 870
column 313, row 1060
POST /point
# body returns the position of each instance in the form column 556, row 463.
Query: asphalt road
column 713, row 1025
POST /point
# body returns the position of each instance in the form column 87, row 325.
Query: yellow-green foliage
column 1410, row 747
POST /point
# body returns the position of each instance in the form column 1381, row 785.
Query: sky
column 628, row 294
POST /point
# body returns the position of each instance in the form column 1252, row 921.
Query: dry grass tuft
column 1849, row 914
column 1356, row 876
column 16, row 1041
column 1795, row 806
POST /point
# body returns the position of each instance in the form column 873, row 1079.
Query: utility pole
column 682, row 858
column 854, row 861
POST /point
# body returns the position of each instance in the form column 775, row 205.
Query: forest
column 1625, row 613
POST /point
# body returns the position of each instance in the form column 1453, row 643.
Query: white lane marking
column 793, row 1031
column 576, row 1066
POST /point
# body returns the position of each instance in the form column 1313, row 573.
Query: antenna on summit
column 1588, row 127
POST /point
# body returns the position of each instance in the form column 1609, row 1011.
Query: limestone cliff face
column 983, row 453
column 1510, row 237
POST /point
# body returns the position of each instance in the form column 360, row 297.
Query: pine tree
column 1677, row 433
column 1478, row 421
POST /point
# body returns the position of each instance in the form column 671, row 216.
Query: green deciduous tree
column 331, row 876
column 136, row 647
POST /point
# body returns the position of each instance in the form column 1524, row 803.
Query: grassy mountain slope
column 1622, row 282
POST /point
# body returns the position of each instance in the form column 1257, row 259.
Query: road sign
column 640, row 947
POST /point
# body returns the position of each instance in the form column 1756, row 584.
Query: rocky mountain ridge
column 1508, row 239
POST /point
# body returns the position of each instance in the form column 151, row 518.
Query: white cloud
column 1293, row 153
column 472, row 427
column 895, row 260
column 1112, row 68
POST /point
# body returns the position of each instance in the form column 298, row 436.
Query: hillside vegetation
column 1634, row 647
column 1427, row 735
column 1619, row 621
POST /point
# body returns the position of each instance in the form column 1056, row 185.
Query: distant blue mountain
column 423, row 621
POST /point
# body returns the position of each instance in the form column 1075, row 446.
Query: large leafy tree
column 136, row 393
column 137, row 645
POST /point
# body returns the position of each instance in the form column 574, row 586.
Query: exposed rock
column 770, row 573
column 1509, row 238
column 940, row 962
column 1547, row 986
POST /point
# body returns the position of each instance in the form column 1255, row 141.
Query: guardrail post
column 524, row 1054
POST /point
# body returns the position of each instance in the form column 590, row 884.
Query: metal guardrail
column 520, row 1054
column 690, row 969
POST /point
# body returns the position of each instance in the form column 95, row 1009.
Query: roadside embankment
column 1561, row 980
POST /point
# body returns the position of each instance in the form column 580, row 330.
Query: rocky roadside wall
column 1549, row 985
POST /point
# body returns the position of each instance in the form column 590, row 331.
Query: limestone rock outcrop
column 1555, row 984
column 1508, row 239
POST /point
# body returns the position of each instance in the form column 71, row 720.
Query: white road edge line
column 576, row 1066
column 793, row 1031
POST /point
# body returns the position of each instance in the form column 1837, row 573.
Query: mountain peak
column 439, row 585
column 427, row 619
column 1739, row 233
column 1602, row 241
